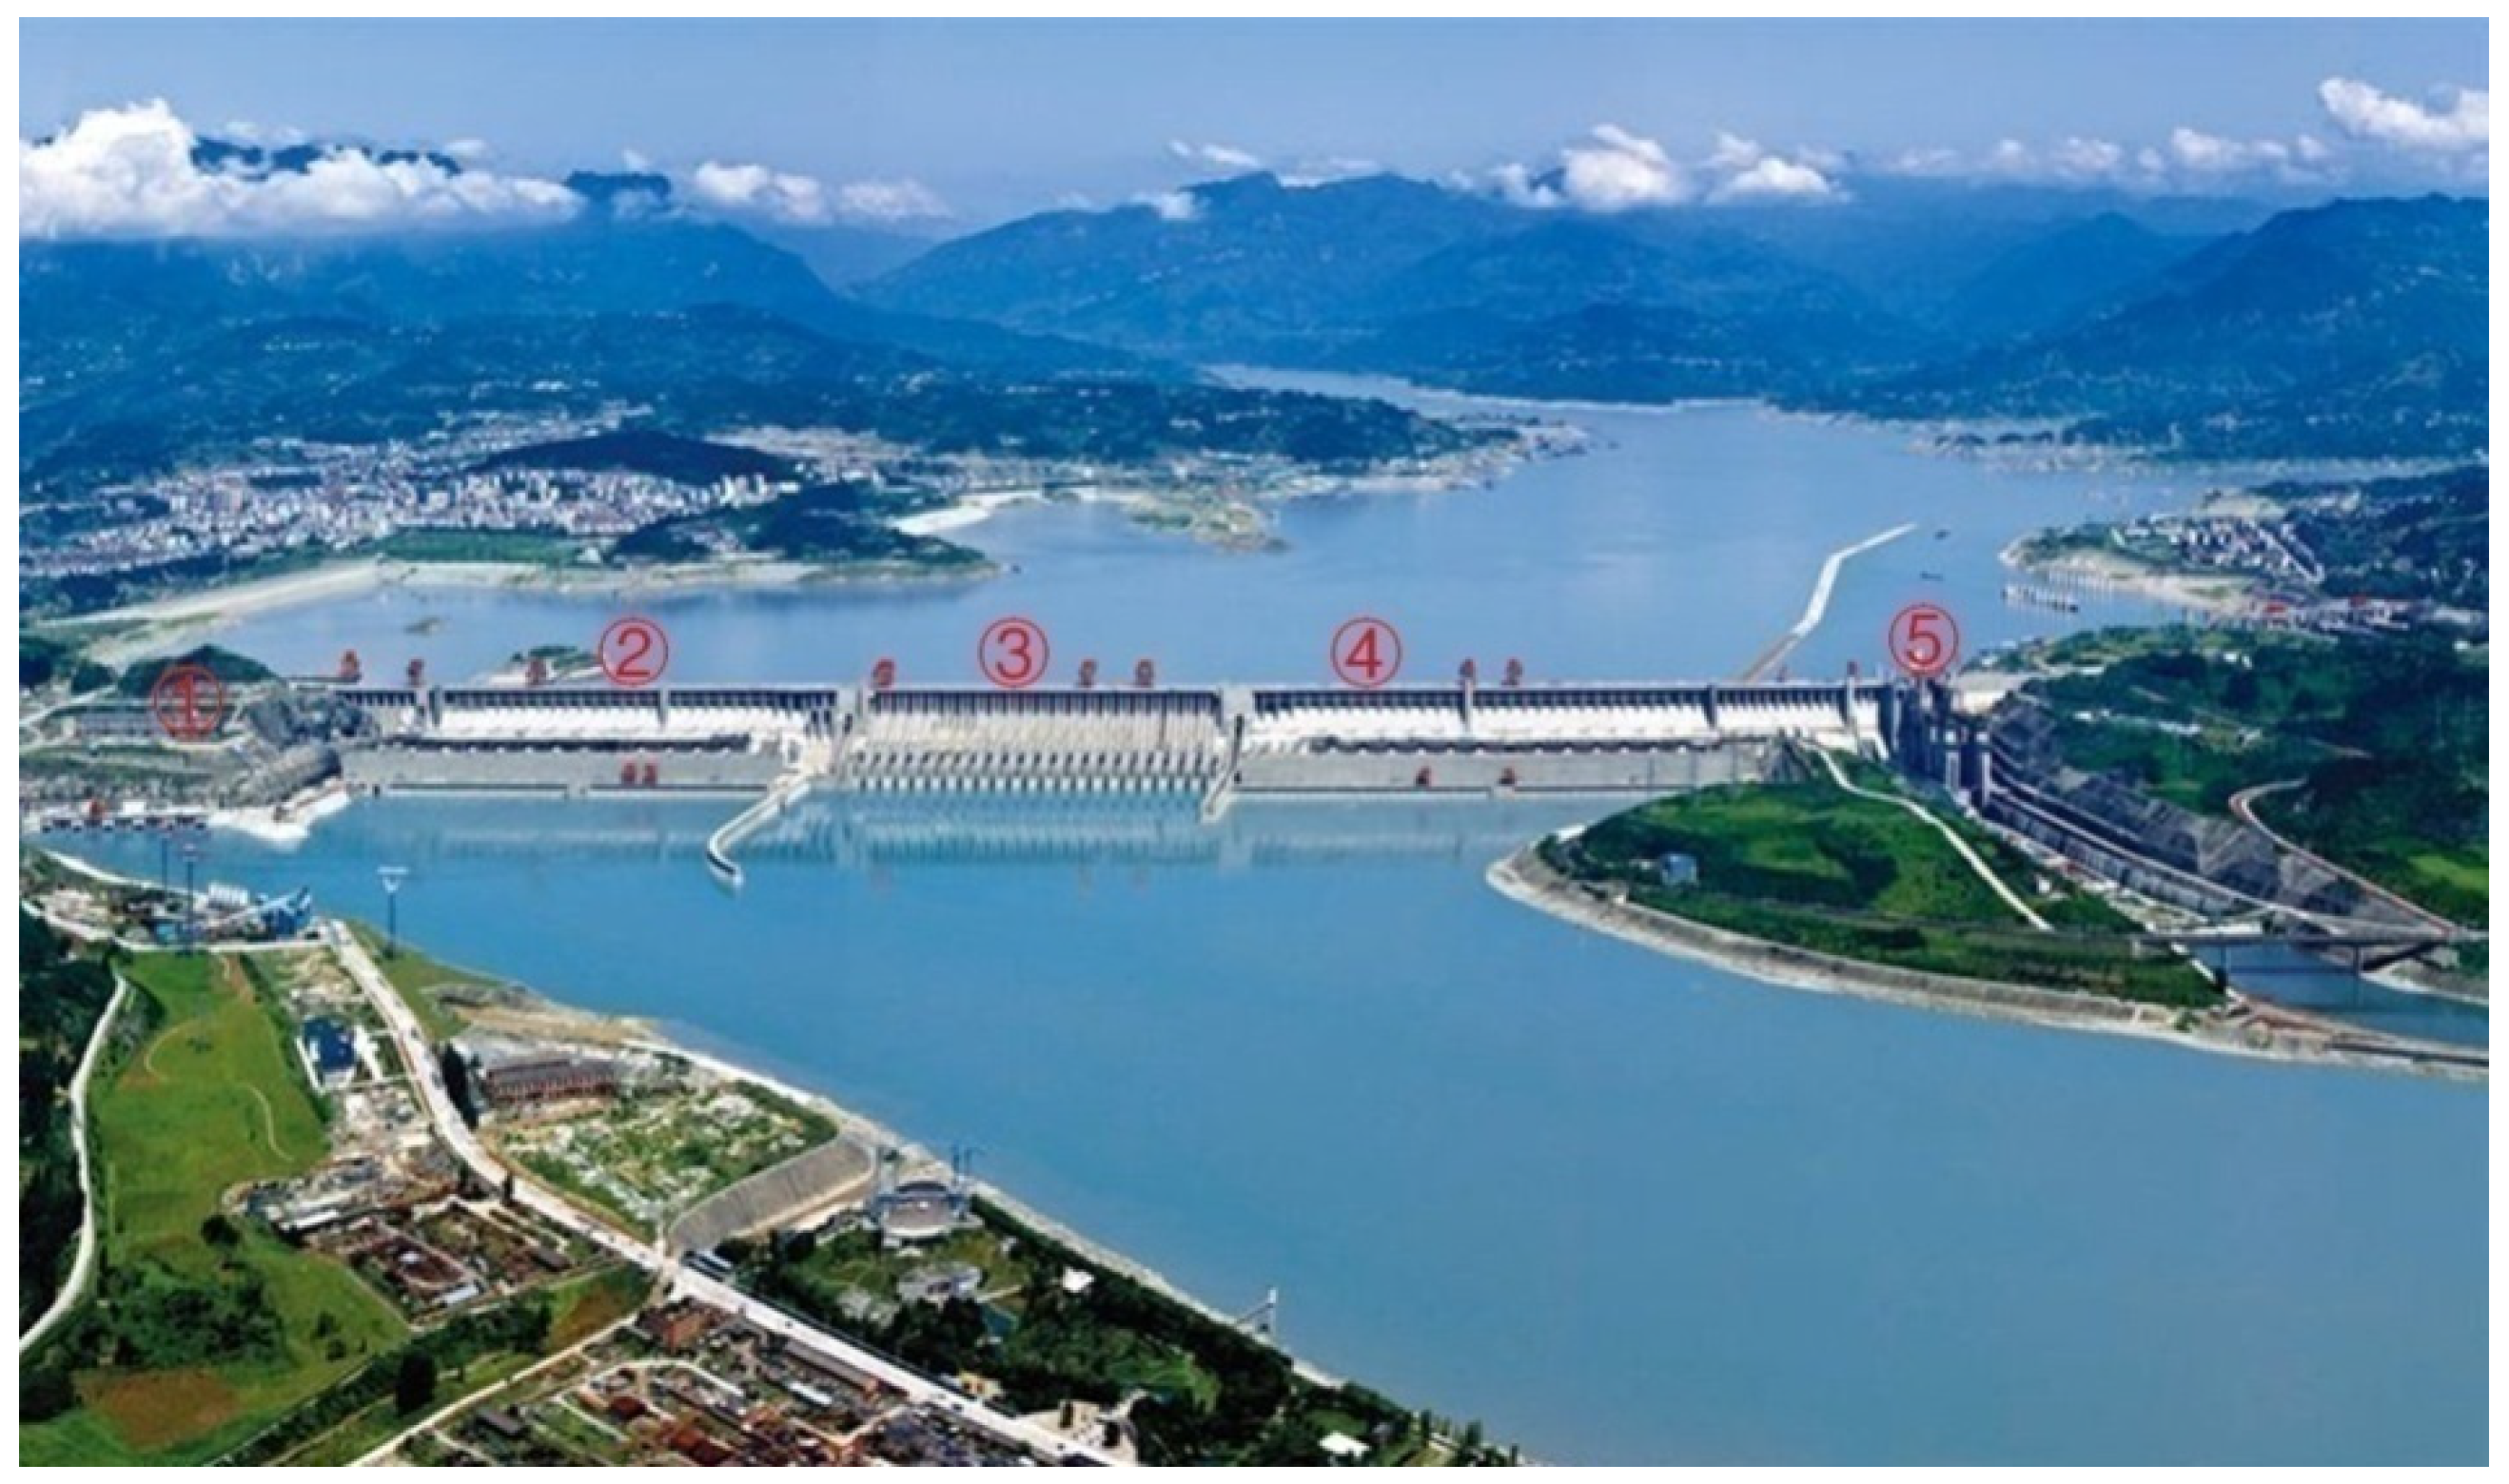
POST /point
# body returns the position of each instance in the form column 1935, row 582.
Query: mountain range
column 2211, row 328
column 138, row 357
column 2206, row 329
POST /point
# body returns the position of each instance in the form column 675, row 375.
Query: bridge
column 1208, row 742
column 2367, row 946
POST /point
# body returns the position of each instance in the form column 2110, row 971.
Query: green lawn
column 190, row 1344
column 1811, row 866
column 1809, row 843
column 419, row 978
column 2386, row 737
column 427, row 543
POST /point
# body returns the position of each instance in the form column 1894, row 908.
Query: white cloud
column 1614, row 169
column 1750, row 174
column 1775, row 179
column 2190, row 157
column 802, row 200
column 130, row 172
column 757, row 190
column 1226, row 158
column 1308, row 174
column 2207, row 154
column 1620, row 170
column 890, row 201
column 1172, row 205
column 2079, row 159
column 2364, row 112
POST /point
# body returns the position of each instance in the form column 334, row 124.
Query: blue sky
column 990, row 119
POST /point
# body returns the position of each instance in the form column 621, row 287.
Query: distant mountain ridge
column 138, row 357
column 2350, row 329
column 2355, row 330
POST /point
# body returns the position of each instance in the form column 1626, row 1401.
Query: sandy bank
column 1526, row 879
column 167, row 624
column 2113, row 572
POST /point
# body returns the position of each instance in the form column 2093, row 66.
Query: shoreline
column 1523, row 877
column 637, row 1032
column 2107, row 574
column 660, row 1037
column 161, row 624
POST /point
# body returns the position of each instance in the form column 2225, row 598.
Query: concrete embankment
column 865, row 1131
column 740, row 827
column 811, row 1181
column 1525, row 877
column 1816, row 606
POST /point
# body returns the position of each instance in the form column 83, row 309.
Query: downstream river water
column 1617, row 1206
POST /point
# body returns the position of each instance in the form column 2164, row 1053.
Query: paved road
column 82, row 1265
column 429, row 1076
column 1984, row 873
column 917, row 1388
column 2243, row 804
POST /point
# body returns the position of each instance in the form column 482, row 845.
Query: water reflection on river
column 1617, row 1205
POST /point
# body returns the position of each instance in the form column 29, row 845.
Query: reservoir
column 1678, row 548
column 1617, row 1206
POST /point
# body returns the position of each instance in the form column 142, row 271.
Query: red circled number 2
column 633, row 652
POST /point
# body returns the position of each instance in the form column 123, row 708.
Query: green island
column 1806, row 864
column 836, row 525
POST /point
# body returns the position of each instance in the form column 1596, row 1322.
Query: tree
column 457, row 1083
column 44, row 1391
column 415, row 1386
column 219, row 1231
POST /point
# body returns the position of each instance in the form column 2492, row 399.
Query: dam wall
column 1205, row 742
column 408, row 766
column 1397, row 767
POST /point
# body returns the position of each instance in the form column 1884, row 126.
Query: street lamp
column 391, row 876
column 191, row 892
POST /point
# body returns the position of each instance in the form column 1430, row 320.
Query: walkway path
column 82, row 1265
column 1976, row 861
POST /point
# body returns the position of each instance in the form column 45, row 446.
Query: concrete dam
column 1203, row 742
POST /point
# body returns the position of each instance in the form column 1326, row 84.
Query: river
column 1620, row 1207
column 1678, row 548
